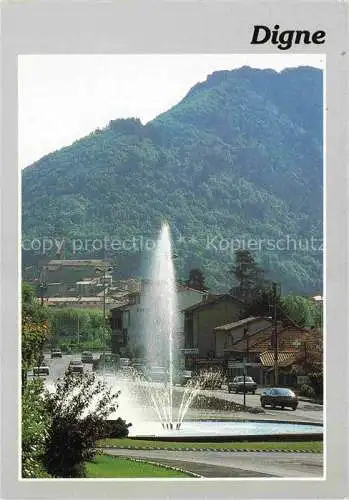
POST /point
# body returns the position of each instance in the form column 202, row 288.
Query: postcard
column 174, row 249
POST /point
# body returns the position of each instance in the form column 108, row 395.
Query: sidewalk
column 308, row 400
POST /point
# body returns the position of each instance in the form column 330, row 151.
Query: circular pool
column 214, row 429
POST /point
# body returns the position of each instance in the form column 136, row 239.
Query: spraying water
column 161, row 321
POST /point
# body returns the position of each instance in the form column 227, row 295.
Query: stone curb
column 132, row 459
column 266, row 450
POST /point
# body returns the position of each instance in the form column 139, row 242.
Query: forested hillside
column 239, row 157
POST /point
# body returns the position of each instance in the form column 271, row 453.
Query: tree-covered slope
column 239, row 157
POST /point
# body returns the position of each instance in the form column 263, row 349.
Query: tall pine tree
column 196, row 280
column 248, row 277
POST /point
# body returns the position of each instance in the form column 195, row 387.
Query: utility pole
column 244, row 383
column 275, row 336
column 104, row 270
column 305, row 363
column 244, row 360
column 43, row 286
column 78, row 317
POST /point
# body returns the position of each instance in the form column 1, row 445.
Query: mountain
column 237, row 162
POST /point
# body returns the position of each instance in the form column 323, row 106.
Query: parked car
column 279, row 396
column 41, row 370
column 76, row 366
column 157, row 374
column 140, row 368
column 126, row 372
column 239, row 385
column 56, row 353
column 184, row 377
column 87, row 357
column 124, row 362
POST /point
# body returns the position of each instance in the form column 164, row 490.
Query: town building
column 53, row 265
column 81, row 302
column 127, row 319
column 200, row 321
column 250, row 344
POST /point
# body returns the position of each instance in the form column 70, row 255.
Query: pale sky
column 62, row 98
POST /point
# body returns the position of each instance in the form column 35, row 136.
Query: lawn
column 107, row 466
column 311, row 446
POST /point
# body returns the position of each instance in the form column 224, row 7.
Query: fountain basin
column 213, row 430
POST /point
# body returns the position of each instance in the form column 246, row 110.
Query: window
column 127, row 318
column 283, row 392
column 189, row 332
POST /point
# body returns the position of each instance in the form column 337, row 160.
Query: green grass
column 107, row 466
column 313, row 446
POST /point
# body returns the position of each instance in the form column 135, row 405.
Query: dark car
column 87, row 357
column 278, row 396
column 56, row 353
column 41, row 370
column 76, row 366
column 239, row 385
column 184, row 377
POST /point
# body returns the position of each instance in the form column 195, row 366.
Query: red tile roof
column 284, row 358
column 290, row 339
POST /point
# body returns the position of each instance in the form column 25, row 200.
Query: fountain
column 160, row 339
column 160, row 324
column 160, row 335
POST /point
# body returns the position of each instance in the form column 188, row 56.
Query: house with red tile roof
column 252, row 341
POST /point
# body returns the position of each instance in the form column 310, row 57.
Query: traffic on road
column 56, row 366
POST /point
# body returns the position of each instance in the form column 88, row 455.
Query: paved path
column 234, row 464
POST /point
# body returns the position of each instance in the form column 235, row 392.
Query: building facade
column 127, row 321
column 200, row 321
column 249, row 345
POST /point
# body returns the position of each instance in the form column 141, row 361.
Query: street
column 306, row 411
column 210, row 463
column 234, row 464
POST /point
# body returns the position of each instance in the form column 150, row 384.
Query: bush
column 79, row 409
column 307, row 391
column 317, row 383
column 116, row 428
column 70, row 444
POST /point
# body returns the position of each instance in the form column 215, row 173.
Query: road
column 306, row 412
column 234, row 464
column 227, row 464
